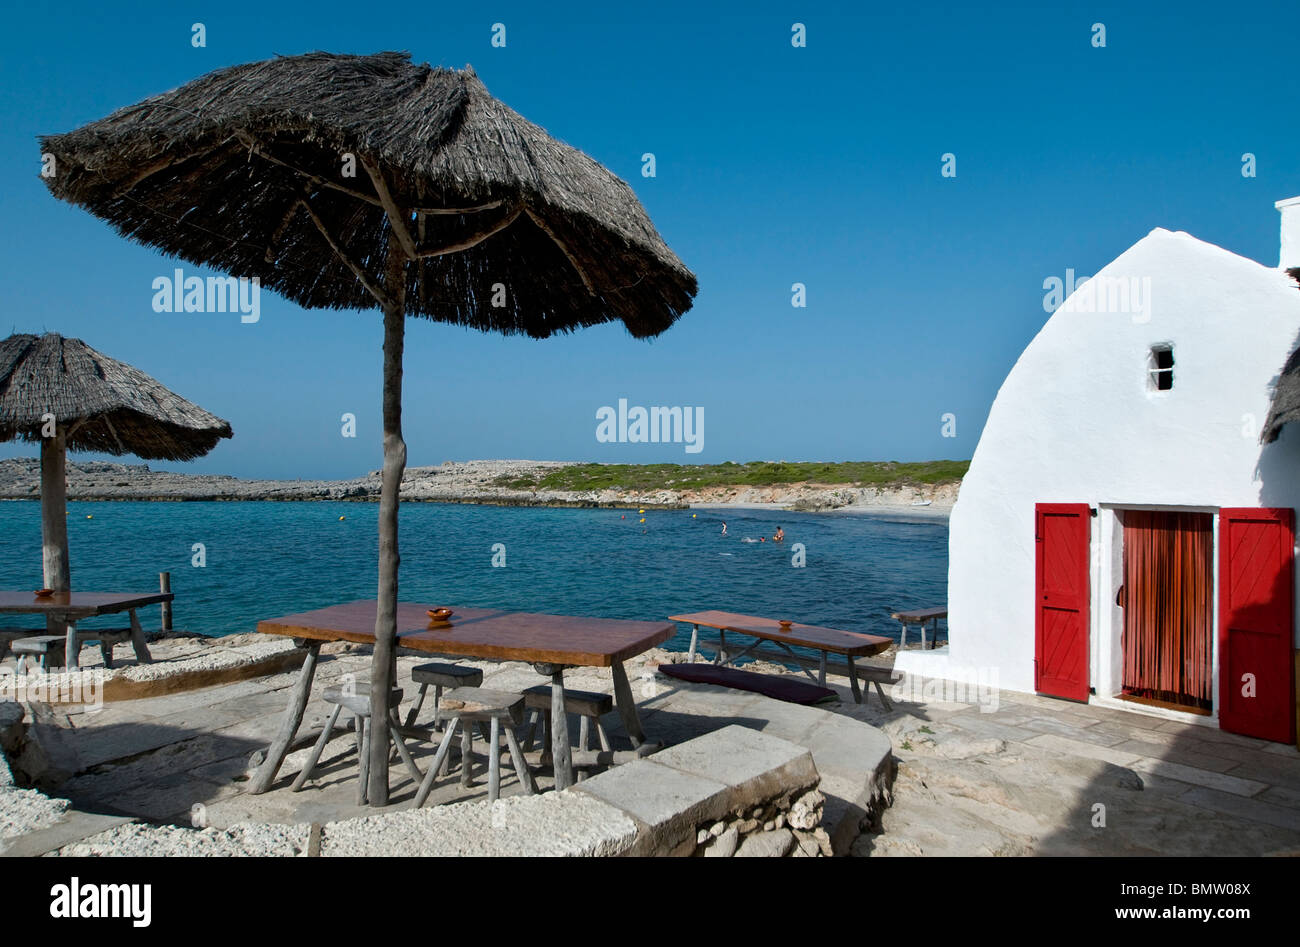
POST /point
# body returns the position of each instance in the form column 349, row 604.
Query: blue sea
column 265, row 559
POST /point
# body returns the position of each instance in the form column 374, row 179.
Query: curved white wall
column 1074, row 422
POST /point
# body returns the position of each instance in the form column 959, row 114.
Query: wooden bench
column 876, row 674
column 51, row 650
column 464, row 706
column 588, row 706
column 922, row 617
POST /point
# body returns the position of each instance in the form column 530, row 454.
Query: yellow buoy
column 640, row 511
column 643, row 519
column 342, row 518
column 89, row 517
column 693, row 516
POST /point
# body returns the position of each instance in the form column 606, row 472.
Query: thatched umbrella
column 68, row 396
column 358, row 182
column 1285, row 407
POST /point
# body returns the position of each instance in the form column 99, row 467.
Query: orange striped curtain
column 1168, row 606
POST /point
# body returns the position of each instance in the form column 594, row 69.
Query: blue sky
column 775, row 165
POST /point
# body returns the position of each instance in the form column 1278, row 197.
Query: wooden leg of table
column 137, row 639
column 561, row 758
column 603, row 737
column 821, row 670
column 902, row 640
column 71, row 649
column 722, row 648
column 695, row 638
column 626, row 705
column 853, row 679
column 289, row 724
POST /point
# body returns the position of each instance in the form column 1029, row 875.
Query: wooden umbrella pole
column 383, row 665
column 54, row 519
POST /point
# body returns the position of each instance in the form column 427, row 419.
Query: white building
column 1122, row 536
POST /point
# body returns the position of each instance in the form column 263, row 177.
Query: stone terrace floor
column 1027, row 778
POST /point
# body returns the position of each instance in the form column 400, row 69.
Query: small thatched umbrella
column 1286, row 397
column 359, row 182
column 68, row 396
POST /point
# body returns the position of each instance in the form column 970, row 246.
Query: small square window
column 1160, row 368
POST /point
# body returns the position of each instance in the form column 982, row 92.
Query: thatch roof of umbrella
column 1286, row 397
column 459, row 210
column 254, row 152
column 104, row 405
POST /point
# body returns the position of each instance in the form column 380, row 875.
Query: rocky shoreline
column 476, row 481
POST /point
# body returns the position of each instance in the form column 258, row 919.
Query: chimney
column 1290, row 209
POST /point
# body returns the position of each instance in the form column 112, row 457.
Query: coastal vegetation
column 578, row 477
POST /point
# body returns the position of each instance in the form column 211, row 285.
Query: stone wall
column 788, row 826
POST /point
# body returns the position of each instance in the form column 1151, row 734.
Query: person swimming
column 724, row 527
column 780, row 535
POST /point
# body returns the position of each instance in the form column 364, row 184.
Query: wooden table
column 847, row 644
column 551, row 643
column 72, row 607
column 922, row 617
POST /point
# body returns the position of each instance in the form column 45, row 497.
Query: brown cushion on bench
column 781, row 688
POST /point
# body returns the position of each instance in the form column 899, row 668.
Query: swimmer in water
column 762, row 539
column 724, row 527
column 780, row 535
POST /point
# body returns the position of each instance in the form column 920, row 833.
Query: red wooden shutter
column 1063, row 534
column 1256, row 588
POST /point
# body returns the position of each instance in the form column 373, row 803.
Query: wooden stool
column 465, row 706
column 357, row 700
column 588, row 705
column 440, row 676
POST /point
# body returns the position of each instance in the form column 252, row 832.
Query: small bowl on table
column 44, row 593
column 785, row 625
column 439, row 617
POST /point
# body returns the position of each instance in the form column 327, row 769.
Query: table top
column 921, row 614
column 75, row 605
column 483, row 633
column 805, row 636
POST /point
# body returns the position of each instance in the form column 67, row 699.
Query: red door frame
column 1062, row 557
column 1256, row 622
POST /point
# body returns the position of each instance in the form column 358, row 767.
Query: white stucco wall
column 1074, row 422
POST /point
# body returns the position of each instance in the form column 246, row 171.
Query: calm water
column 267, row 559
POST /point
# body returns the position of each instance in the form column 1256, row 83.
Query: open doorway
column 1167, row 597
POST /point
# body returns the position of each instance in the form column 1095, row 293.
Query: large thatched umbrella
column 358, row 182
column 67, row 396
